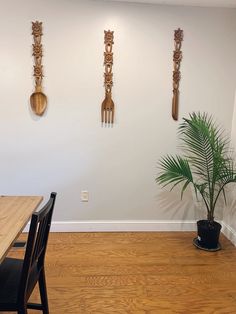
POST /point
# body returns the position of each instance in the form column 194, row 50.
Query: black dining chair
column 19, row 277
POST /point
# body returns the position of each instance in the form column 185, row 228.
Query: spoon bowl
column 38, row 102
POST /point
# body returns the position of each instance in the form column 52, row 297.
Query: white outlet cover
column 84, row 196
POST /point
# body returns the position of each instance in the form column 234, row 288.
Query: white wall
column 67, row 150
column 229, row 219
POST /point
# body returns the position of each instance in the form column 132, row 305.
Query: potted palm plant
column 207, row 164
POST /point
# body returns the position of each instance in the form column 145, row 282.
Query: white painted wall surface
column 229, row 218
column 67, row 150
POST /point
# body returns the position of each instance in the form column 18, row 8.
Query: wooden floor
column 151, row 273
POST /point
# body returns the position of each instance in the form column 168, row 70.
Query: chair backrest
column 36, row 248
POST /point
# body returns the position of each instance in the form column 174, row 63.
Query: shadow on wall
column 172, row 207
column 229, row 209
column 190, row 207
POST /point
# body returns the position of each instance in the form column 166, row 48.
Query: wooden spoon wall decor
column 38, row 99
column 177, row 57
column 108, row 107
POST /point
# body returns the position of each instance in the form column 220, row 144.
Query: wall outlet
column 84, row 196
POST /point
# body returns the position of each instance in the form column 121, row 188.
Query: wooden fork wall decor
column 177, row 57
column 38, row 99
column 108, row 107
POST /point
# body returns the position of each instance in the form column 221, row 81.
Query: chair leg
column 22, row 310
column 43, row 292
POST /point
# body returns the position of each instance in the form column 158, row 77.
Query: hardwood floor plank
column 158, row 305
column 137, row 273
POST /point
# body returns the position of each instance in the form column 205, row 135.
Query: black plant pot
column 208, row 235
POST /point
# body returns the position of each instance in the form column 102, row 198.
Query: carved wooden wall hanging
column 38, row 99
column 108, row 107
column 177, row 57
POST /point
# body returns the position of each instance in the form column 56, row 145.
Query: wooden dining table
column 15, row 212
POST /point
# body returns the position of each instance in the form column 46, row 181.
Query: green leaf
column 206, row 162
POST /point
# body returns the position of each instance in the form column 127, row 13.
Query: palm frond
column 174, row 170
column 206, row 162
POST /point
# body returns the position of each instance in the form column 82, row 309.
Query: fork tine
column 105, row 112
column 112, row 115
column 109, row 115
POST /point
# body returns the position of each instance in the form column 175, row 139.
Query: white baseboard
column 122, row 225
column 133, row 225
column 229, row 232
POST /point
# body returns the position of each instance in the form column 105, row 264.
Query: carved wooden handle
column 108, row 60
column 38, row 100
column 108, row 107
column 177, row 57
column 37, row 52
